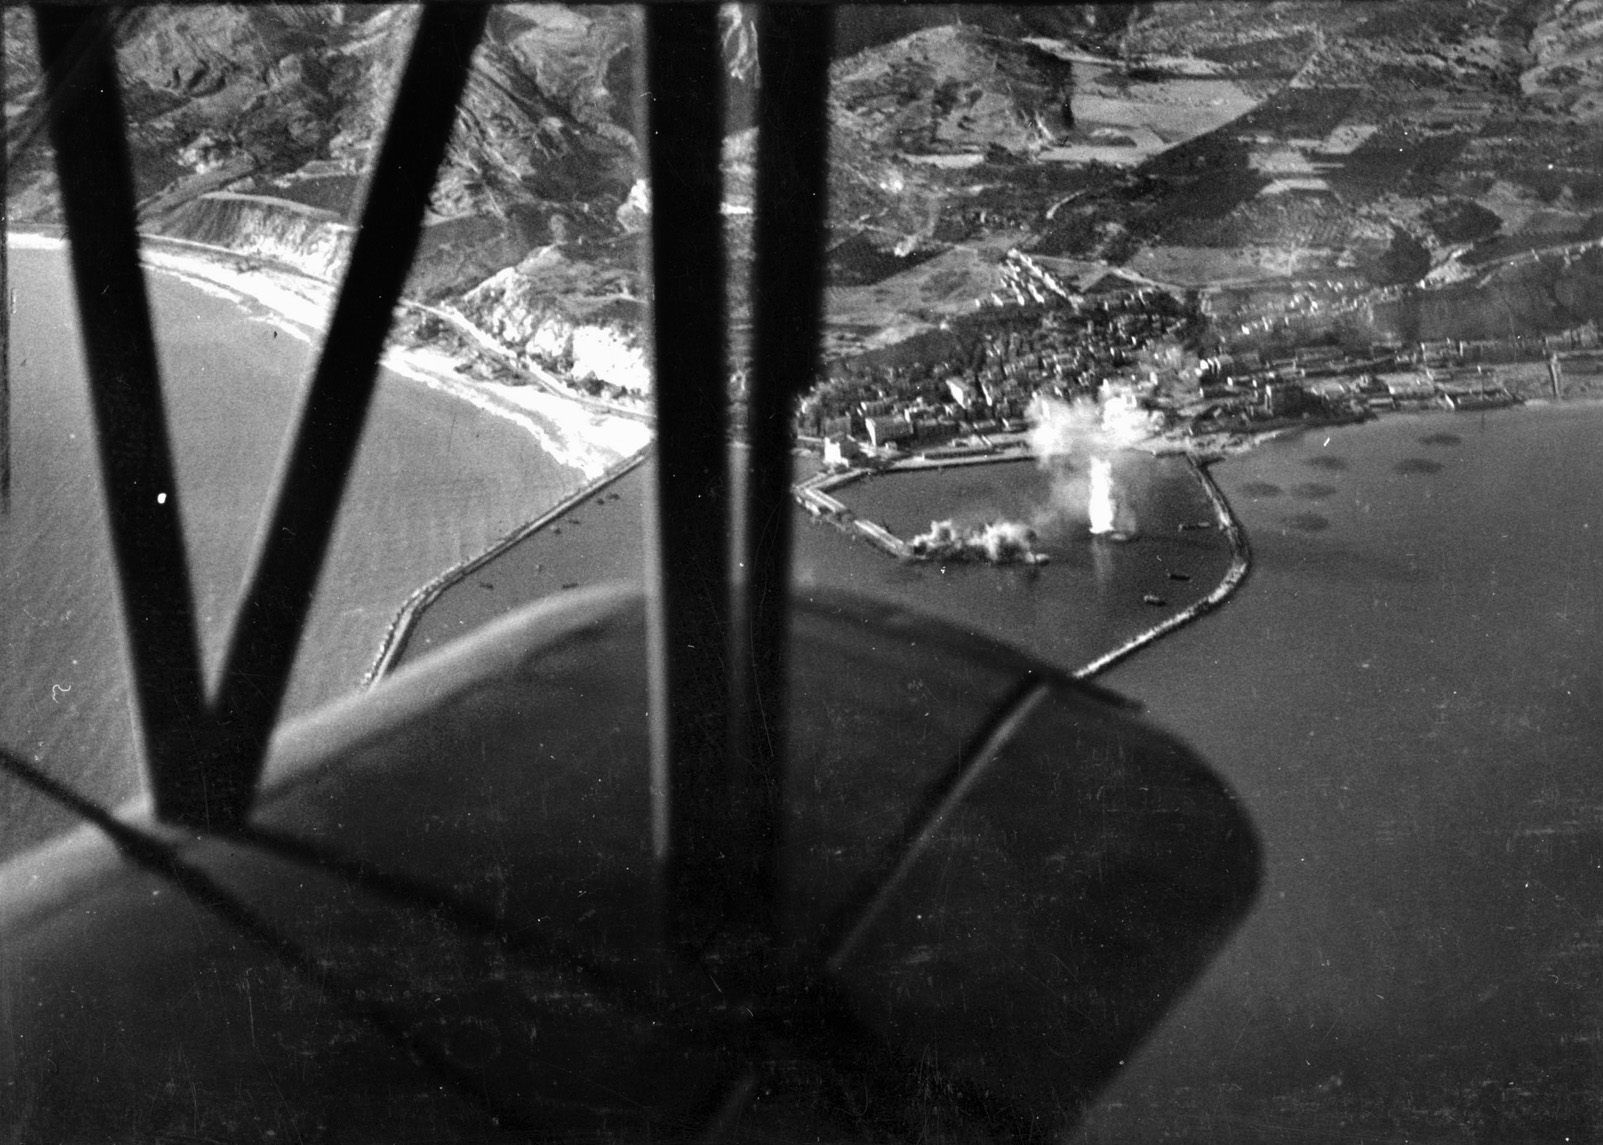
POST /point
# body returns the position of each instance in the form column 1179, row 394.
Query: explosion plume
column 997, row 542
column 1065, row 434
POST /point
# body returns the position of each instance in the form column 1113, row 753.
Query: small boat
column 1186, row 526
column 1151, row 598
column 1179, row 576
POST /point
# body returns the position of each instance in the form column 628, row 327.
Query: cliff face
column 576, row 320
column 314, row 241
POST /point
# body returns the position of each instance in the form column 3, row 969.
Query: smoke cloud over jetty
column 1075, row 441
column 999, row 542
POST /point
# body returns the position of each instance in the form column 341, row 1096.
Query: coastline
column 598, row 445
column 590, row 440
column 294, row 297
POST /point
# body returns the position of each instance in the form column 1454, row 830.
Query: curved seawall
column 1234, row 578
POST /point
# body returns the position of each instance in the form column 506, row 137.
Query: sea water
column 436, row 481
column 1408, row 697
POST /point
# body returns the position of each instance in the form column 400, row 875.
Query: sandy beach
column 583, row 438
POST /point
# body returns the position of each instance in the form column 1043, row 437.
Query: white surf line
column 1240, row 564
column 34, row 240
column 564, row 428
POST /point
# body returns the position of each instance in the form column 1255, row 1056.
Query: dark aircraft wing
column 719, row 863
column 445, row 909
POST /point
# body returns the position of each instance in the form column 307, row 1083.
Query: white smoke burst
column 999, row 542
column 1100, row 505
column 1086, row 432
column 1088, row 427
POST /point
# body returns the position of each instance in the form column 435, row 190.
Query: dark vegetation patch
column 861, row 261
column 1397, row 158
column 1313, row 491
column 1308, row 113
column 154, row 169
column 1537, row 296
column 1548, row 158
column 961, row 340
column 1261, row 489
column 1509, row 246
column 1307, row 522
column 1290, row 220
column 1431, row 24
column 1327, row 461
column 1405, row 260
column 460, row 253
column 141, row 101
column 1435, row 158
column 1460, row 221
column 1198, row 181
column 1417, row 465
column 989, row 195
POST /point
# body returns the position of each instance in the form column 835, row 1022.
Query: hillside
column 1376, row 142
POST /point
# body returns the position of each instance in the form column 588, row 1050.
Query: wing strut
column 204, row 759
column 718, row 665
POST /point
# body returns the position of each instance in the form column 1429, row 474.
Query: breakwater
column 1235, row 576
column 813, row 494
column 398, row 634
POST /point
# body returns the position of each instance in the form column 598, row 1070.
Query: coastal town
column 965, row 391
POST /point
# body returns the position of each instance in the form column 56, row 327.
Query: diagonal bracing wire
column 205, row 759
column 272, row 615
column 793, row 49
column 86, row 125
column 689, row 542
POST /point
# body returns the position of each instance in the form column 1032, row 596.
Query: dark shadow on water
column 1313, row 491
column 1261, row 489
column 1308, row 522
column 908, row 571
column 1441, row 439
column 1328, row 462
column 1316, row 552
column 1417, row 465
